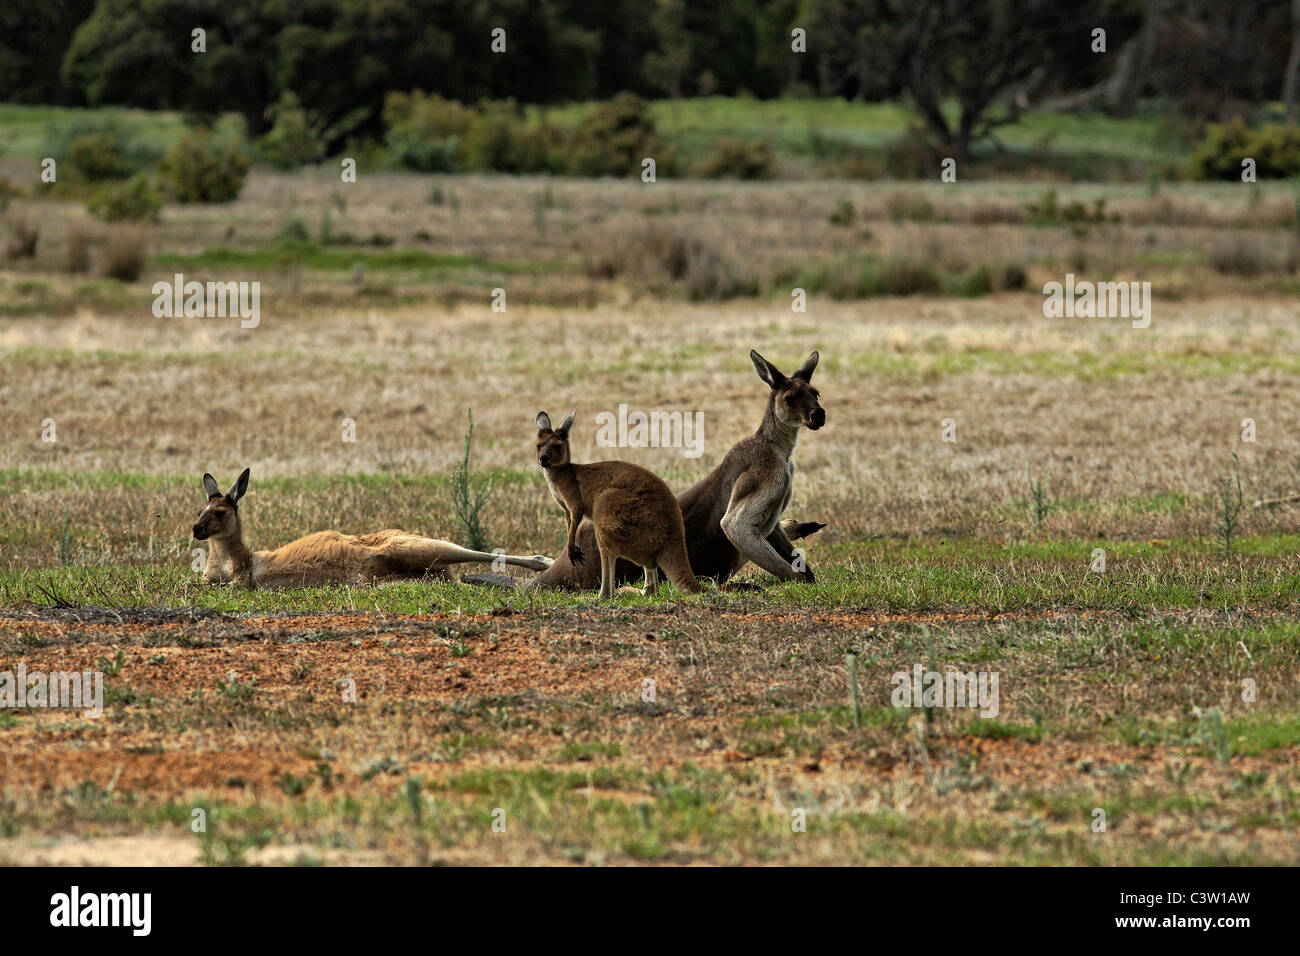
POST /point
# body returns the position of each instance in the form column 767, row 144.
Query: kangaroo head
column 553, row 444
column 793, row 400
column 220, row 516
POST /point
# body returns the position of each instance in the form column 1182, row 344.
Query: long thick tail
column 677, row 568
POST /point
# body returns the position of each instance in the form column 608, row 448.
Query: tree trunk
column 1292, row 64
column 1130, row 76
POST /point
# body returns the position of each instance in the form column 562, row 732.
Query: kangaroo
column 633, row 513
column 757, row 468
column 326, row 557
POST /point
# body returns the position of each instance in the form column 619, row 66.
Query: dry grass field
column 1120, row 690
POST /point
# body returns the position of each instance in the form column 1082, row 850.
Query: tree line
column 339, row 58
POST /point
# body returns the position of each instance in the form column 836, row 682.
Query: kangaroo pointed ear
column 565, row 425
column 768, row 372
column 543, row 422
column 210, row 486
column 240, row 486
column 806, row 369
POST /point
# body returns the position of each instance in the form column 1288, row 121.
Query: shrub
column 201, row 168
column 616, row 138
column 98, row 157
column 1238, row 257
column 23, row 237
column 912, row 155
column 502, row 139
column 908, row 206
column 657, row 254
column 426, row 133
column 133, row 200
column 1048, row 211
column 842, row 214
column 125, row 253
column 94, row 150
column 1274, row 147
column 737, row 159
column 8, row 192
column 292, row 141
column 76, row 253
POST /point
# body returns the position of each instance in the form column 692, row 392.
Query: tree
column 977, row 52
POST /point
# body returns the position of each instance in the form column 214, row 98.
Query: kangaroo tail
column 491, row 581
column 678, row 569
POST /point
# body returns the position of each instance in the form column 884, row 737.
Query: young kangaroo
column 731, row 515
column 326, row 557
column 634, row 514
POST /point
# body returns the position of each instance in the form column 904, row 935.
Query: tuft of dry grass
column 23, row 237
column 125, row 253
column 76, row 250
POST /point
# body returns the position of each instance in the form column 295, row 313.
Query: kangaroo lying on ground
column 326, row 557
column 753, row 479
column 633, row 513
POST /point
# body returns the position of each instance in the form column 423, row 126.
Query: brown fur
column 633, row 513
column 753, row 480
column 326, row 557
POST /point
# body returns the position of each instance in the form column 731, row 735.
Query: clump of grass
column 1038, row 499
column 842, row 214
column 23, row 237
column 469, row 497
column 125, row 253
column 909, row 206
column 853, row 690
column 76, row 253
column 1239, row 257
column 1230, row 504
column 657, row 255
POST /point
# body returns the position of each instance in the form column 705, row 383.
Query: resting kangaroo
column 633, row 513
column 750, row 483
column 326, row 557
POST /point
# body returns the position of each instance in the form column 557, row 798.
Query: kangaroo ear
column 806, row 369
column 543, row 422
column 565, row 425
column 240, row 486
column 210, row 486
column 768, row 372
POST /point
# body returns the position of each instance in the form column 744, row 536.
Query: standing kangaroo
column 633, row 513
column 326, row 557
column 731, row 515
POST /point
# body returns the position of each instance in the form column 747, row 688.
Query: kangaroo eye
column 789, row 399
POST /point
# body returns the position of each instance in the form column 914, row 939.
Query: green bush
column 92, row 149
column 1274, row 147
column 291, row 141
column 427, row 133
column 501, row 139
column 202, row 168
column 133, row 200
column 97, row 157
column 737, row 159
column 616, row 138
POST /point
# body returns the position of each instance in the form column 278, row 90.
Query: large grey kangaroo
column 733, row 515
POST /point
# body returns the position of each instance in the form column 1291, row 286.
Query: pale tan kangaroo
column 632, row 511
column 326, row 557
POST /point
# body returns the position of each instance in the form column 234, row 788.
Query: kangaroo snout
column 199, row 533
column 817, row 419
